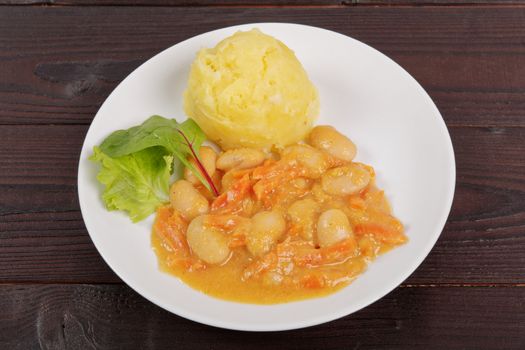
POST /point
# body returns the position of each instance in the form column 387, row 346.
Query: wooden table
column 59, row 60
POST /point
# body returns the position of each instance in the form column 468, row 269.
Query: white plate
column 394, row 123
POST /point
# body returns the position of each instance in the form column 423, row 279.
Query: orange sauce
column 295, row 268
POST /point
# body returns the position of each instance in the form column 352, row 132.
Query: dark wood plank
column 487, row 222
column 437, row 2
column 468, row 58
column 111, row 317
column 42, row 236
column 258, row 2
column 49, row 245
column 178, row 2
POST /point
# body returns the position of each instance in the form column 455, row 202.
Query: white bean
column 208, row 157
column 187, row 200
column 330, row 140
column 332, row 227
column 313, row 161
column 266, row 229
column 345, row 180
column 303, row 213
column 240, row 158
column 208, row 243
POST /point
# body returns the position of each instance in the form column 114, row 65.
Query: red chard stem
column 201, row 167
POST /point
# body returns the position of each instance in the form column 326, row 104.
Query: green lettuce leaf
column 155, row 131
column 158, row 131
column 136, row 182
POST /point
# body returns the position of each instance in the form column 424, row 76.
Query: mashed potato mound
column 251, row 91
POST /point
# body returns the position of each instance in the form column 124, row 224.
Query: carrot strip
column 231, row 200
column 356, row 202
column 237, row 240
column 388, row 234
column 268, row 168
column 259, row 266
column 170, row 227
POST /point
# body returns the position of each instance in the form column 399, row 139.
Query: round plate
column 394, row 123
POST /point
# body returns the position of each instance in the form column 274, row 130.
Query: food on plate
column 251, row 91
column 280, row 211
column 136, row 164
column 137, row 182
column 298, row 223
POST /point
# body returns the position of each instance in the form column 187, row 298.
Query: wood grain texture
column 179, row 2
column 42, row 236
column 437, row 2
column 247, row 3
column 469, row 59
column 114, row 317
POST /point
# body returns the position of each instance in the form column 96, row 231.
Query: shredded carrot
column 356, row 202
column 339, row 251
column 268, row 168
column 389, row 234
column 170, row 227
column 231, row 200
column 308, row 258
column 220, row 202
column 267, row 262
column 237, row 174
column 237, row 240
column 267, row 185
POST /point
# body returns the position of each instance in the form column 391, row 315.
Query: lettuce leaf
column 137, row 163
column 180, row 140
column 155, row 131
column 136, row 182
